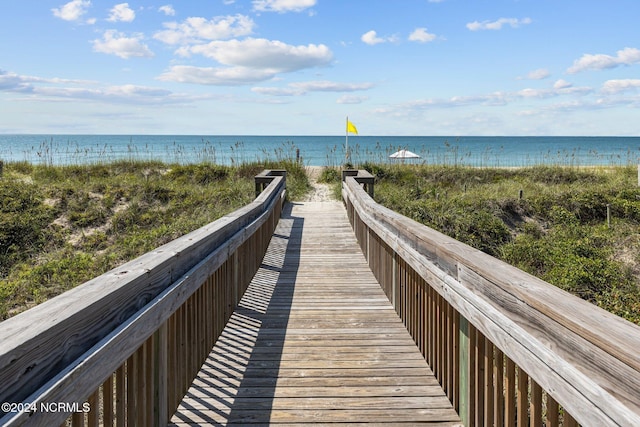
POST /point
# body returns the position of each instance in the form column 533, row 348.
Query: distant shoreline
column 321, row 150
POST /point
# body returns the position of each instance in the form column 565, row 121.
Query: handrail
column 135, row 321
column 478, row 320
column 362, row 177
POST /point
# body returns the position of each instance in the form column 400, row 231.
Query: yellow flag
column 351, row 127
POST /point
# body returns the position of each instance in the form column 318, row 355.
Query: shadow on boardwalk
column 315, row 341
column 237, row 382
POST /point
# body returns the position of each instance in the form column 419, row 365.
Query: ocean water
column 481, row 151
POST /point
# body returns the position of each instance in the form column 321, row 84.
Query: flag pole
column 346, row 141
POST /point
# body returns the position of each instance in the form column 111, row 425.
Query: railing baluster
column 432, row 329
column 535, row 408
column 568, row 421
column 132, row 388
column 553, row 412
column 121, row 399
column 107, row 400
column 473, row 373
column 171, row 365
column 455, row 395
column 93, row 415
column 450, row 356
column 488, row 382
column 480, row 378
column 510, row 401
column 140, row 390
column 438, row 324
column 523, row 398
column 77, row 419
column 499, row 389
column 160, row 397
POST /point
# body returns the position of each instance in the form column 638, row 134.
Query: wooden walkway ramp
column 315, row 341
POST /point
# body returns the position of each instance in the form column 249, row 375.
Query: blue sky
column 299, row 67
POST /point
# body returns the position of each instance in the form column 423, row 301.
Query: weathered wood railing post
column 265, row 177
column 362, row 177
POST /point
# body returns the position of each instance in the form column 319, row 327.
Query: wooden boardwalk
column 314, row 341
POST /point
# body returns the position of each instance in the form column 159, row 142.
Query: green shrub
column 556, row 231
column 626, row 208
column 330, row 175
column 23, row 222
column 199, row 173
column 561, row 216
column 558, row 175
column 62, row 225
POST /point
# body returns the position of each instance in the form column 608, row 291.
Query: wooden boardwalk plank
column 315, row 341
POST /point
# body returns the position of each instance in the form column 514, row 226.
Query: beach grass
column 63, row 225
column 575, row 227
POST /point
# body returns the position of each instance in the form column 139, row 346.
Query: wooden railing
column 507, row 348
column 124, row 347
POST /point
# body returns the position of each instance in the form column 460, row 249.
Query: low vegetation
column 63, row 225
column 549, row 221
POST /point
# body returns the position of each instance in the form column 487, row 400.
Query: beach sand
column 321, row 192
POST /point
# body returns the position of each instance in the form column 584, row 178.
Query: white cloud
column 124, row 94
column 277, row 91
column 371, row 38
column 230, row 76
column 622, row 85
column 562, row 84
column 302, row 88
column 40, row 88
column 539, row 74
column 560, row 90
column 130, row 90
column 11, row 82
column 196, row 29
column 167, row 9
column 626, row 56
column 247, row 61
column 351, row 99
column 497, row 25
column 72, row 11
column 115, row 43
column 535, row 93
column 282, row 6
column 421, row 35
column 264, row 54
column 328, row 86
column 121, row 13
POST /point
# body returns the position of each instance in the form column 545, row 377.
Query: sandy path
column 321, row 192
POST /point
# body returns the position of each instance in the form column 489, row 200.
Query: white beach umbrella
column 404, row 154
